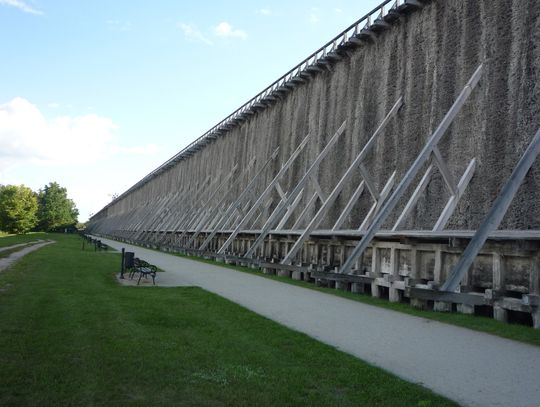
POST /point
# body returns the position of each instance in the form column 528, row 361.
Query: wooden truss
column 429, row 149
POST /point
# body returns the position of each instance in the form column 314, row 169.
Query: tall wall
column 426, row 57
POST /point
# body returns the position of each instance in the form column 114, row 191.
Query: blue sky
column 96, row 94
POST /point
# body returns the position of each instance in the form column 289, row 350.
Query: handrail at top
column 310, row 60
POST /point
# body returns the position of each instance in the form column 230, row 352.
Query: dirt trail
column 12, row 258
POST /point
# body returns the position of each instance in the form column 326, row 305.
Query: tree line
column 23, row 210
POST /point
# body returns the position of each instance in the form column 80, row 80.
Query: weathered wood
column 496, row 214
column 263, row 197
column 445, row 296
column 413, row 170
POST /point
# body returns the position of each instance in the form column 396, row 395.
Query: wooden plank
column 352, row 278
column 445, row 172
column 350, row 204
column 414, row 197
column 454, row 199
column 445, row 296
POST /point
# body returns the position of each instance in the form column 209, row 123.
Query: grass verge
column 69, row 335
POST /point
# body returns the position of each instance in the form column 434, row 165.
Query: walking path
column 4, row 249
column 472, row 368
column 13, row 257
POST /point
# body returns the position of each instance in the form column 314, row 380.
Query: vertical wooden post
column 393, row 293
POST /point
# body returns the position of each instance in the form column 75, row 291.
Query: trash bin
column 129, row 260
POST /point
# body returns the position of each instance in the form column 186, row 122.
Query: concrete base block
column 441, row 306
column 536, row 319
column 269, row 271
column 375, row 291
column 296, row 275
column 357, row 288
column 420, row 304
column 465, row 309
column 394, row 295
column 284, row 273
column 340, row 285
column 500, row 314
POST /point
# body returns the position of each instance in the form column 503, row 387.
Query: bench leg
column 140, row 276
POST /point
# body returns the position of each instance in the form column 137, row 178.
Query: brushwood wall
column 426, row 57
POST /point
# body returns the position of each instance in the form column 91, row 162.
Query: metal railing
column 364, row 23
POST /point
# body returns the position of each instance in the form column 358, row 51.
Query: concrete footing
column 536, row 319
column 357, row 288
column 465, row 309
column 394, row 295
column 500, row 314
column 284, row 273
column 297, row 275
column 341, row 286
column 441, row 306
column 418, row 303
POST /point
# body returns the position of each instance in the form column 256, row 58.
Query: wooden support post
column 393, row 293
column 499, row 272
column 437, row 269
column 375, row 271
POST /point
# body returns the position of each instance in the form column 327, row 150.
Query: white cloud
column 264, row 12
column 191, row 33
column 314, row 15
column 26, row 136
column 21, row 5
column 338, row 10
column 80, row 152
column 224, row 29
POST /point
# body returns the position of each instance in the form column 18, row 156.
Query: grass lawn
column 69, row 335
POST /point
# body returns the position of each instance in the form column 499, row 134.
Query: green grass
column 69, row 335
column 516, row 332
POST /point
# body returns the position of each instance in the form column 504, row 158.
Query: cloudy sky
column 96, row 94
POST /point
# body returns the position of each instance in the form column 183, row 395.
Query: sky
column 96, row 94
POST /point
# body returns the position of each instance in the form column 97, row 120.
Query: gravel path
column 4, row 249
column 13, row 257
column 472, row 368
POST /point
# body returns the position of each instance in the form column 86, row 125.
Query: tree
column 56, row 210
column 18, row 208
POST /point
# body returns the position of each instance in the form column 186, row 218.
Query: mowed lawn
column 69, row 335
